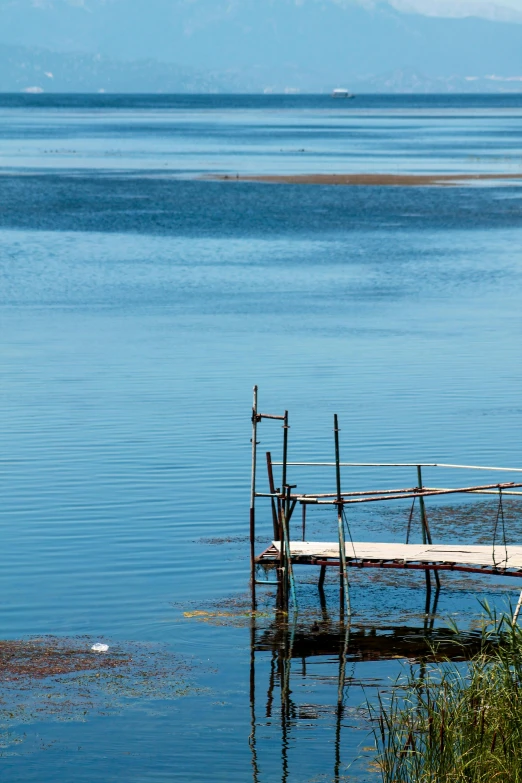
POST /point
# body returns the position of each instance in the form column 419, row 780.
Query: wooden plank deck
column 441, row 556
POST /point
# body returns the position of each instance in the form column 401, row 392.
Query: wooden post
column 271, row 486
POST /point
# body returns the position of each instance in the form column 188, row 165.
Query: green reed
column 457, row 722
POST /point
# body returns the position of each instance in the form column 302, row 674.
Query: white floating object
column 98, row 647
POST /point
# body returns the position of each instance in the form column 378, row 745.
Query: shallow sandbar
column 400, row 180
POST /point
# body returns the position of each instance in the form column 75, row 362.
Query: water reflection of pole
column 284, row 716
column 285, row 669
column 340, row 702
column 252, row 737
column 271, row 685
column 429, row 617
column 322, row 600
column 428, row 597
column 434, row 608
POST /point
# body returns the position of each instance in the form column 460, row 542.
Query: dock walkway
column 440, row 557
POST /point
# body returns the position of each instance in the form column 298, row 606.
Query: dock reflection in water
column 303, row 681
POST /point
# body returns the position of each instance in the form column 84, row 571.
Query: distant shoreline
column 400, row 180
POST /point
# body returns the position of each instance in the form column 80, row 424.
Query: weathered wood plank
column 435, row 553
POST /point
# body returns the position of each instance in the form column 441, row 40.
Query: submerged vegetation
column 456, row 722
column 62, row 679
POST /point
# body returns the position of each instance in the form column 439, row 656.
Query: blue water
column 139, row 305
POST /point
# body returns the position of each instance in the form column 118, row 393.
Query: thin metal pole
column 285, row 450
column 422, row 508
column 385, row 492
column 278, row 532
column 304, row 522
column 282, row 590
column 289, row 571
column 401, row 495
column 285, row 546
column 253, row 502
column 401, row 465
column 344, row 590
column 426, row 534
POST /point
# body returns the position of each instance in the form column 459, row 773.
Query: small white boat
column 341, row 93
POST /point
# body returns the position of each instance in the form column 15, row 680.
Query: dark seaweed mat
column 45, row 657
column 50, row 678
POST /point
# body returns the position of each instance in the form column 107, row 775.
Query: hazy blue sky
column 447, row 8
column 451, row 8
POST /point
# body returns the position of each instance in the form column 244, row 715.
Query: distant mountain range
column 251, row 46
column 25, row 69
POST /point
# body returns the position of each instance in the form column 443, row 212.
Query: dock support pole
column 277, row 518
column 344, row 590
column 253, row 503
column 285, row 451
column 284, row 548
column 287, row 573
column 426, row 534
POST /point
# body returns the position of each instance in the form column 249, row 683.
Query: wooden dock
column 505, row 561
column 285, row 551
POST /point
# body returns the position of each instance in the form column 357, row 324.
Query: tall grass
column 455, row 722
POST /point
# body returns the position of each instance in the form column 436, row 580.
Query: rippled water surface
column 139, row 305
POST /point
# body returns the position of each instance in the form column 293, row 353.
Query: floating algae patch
column 223, row 540
column 52, row 678
column 233, row 611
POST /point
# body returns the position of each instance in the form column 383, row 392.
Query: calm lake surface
column 139, row 305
